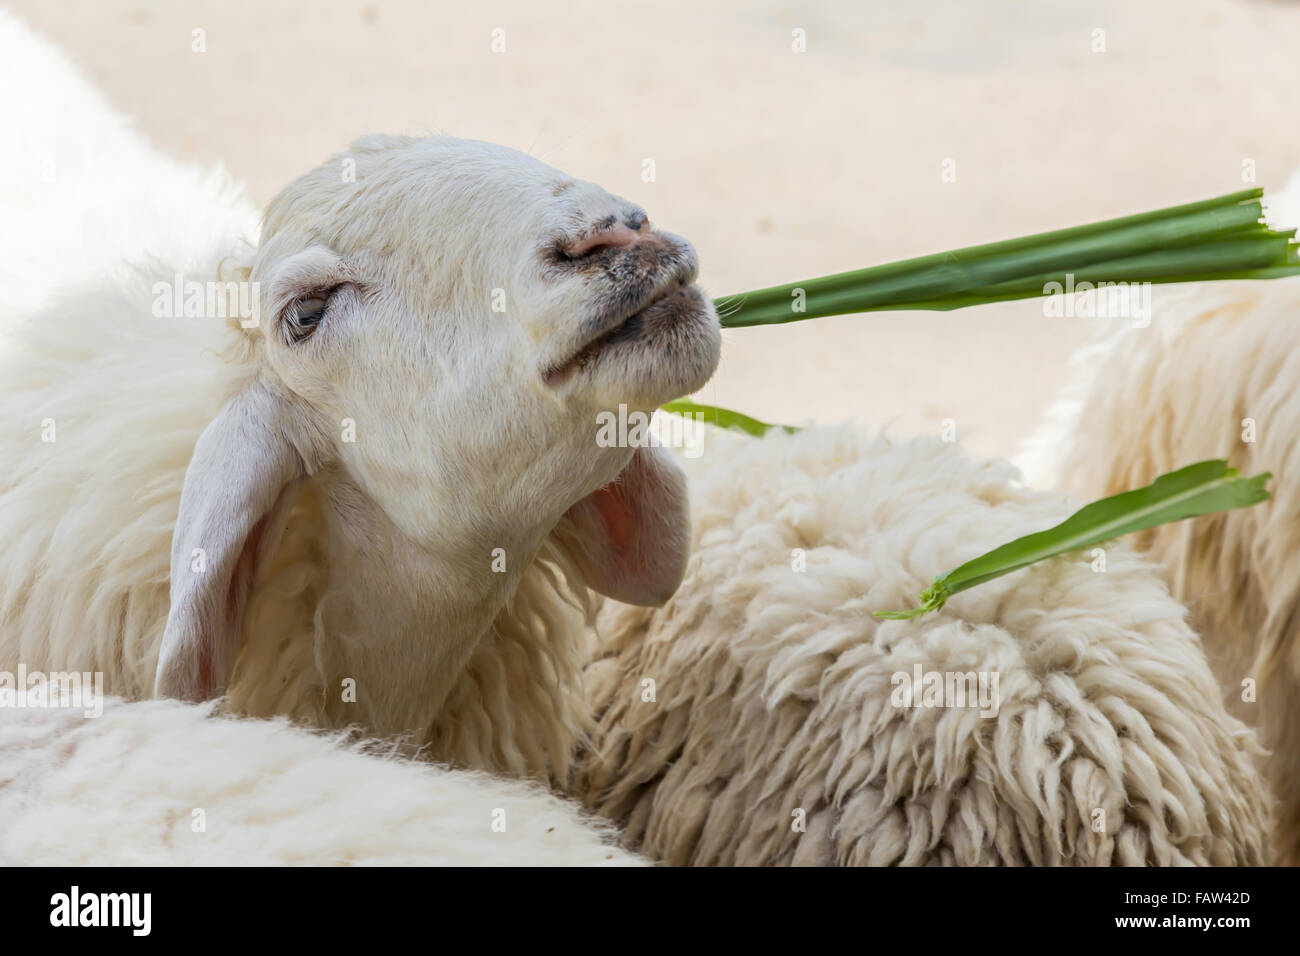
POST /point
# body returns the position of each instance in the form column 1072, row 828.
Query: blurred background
column 778, row 164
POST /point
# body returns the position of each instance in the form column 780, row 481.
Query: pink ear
column 630, row 539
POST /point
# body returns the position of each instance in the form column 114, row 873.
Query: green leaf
column 723, row 417
column 1198, row 489
column 1222, row 238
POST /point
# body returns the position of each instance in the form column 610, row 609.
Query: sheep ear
column 234, row 504
column 631, row 538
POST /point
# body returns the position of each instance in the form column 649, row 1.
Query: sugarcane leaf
column 723, row 417
column 1221, row 238
column 1202, row 488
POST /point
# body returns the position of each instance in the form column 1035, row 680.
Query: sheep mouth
column 624, row 331
column 667, row 308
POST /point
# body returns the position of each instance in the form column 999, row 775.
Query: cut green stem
column 1222, row 238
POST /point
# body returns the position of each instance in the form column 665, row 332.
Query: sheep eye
column 303, row 317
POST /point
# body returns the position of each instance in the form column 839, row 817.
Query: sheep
column 1212, row 377
column 95, row 206
column 374, row 501
column 169, row 783
column 764, row 716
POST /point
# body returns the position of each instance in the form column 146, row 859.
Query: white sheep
column 104, row 216
column 764, row 716
column 393, row 497
column 1212, row 377
column 169, row 783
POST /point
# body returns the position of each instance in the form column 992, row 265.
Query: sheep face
column 441, row 324
column 469, row 310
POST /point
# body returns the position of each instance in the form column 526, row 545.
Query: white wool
column 165, row 783
column 759, row 697
column 1147, row 401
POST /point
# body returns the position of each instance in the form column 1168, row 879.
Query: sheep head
column 441, row 323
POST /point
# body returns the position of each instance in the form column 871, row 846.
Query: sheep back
column 749, row 721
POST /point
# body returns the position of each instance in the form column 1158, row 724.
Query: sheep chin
column 672, row 350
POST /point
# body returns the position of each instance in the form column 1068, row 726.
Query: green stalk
column 1198, row 489
column 971, row 266
column 1222, row 238
column 1213, row 239
column 1243, row 254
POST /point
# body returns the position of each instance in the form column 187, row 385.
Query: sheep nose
column 609, row 234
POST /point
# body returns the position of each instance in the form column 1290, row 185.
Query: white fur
column 759, row 697
column 123, row 790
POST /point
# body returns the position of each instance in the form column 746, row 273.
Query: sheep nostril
column 613, row 236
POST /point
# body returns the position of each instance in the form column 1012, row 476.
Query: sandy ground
column 777, row 164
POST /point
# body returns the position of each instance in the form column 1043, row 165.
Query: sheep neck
column 400, row 619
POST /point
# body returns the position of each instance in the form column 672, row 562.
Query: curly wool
column 772, row 688
column 1151, row 400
